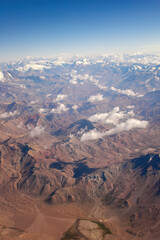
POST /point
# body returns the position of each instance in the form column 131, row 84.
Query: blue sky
column 48, row 27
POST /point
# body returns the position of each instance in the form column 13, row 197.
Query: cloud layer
column 42, row 110
column 83, row 78
column 38, row 130
column 125, row 126
column 121, row 121
column 60, row 97
column 75, row 77
column 8, row 114
column 75, row 107
column 112, row 117
column 128, row 92
column 59, row 109
column 95, row 98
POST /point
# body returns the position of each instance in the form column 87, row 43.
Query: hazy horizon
column 44, row 28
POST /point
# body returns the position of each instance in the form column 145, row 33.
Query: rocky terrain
column 79, row 148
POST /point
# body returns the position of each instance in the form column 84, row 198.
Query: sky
column 49, row 27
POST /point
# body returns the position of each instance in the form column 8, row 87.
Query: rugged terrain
column 79, row 148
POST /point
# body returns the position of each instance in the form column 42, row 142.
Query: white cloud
column 48, row 95
column 60, row 97
column 75, row 77
column 38, row 130
column 8, row 114
column 95, row 98
column 33, row 102
column 92, row 135
column 86, row 77
column 112, row 117
column 128, row 125
column 101, row 86
column 130, row 106
column 122, row 121
column 2, row 79
column 75, row 107
column 96, row 82
column 128, row 92
column 125, row 126
column 42, row 110
column 59, row 109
